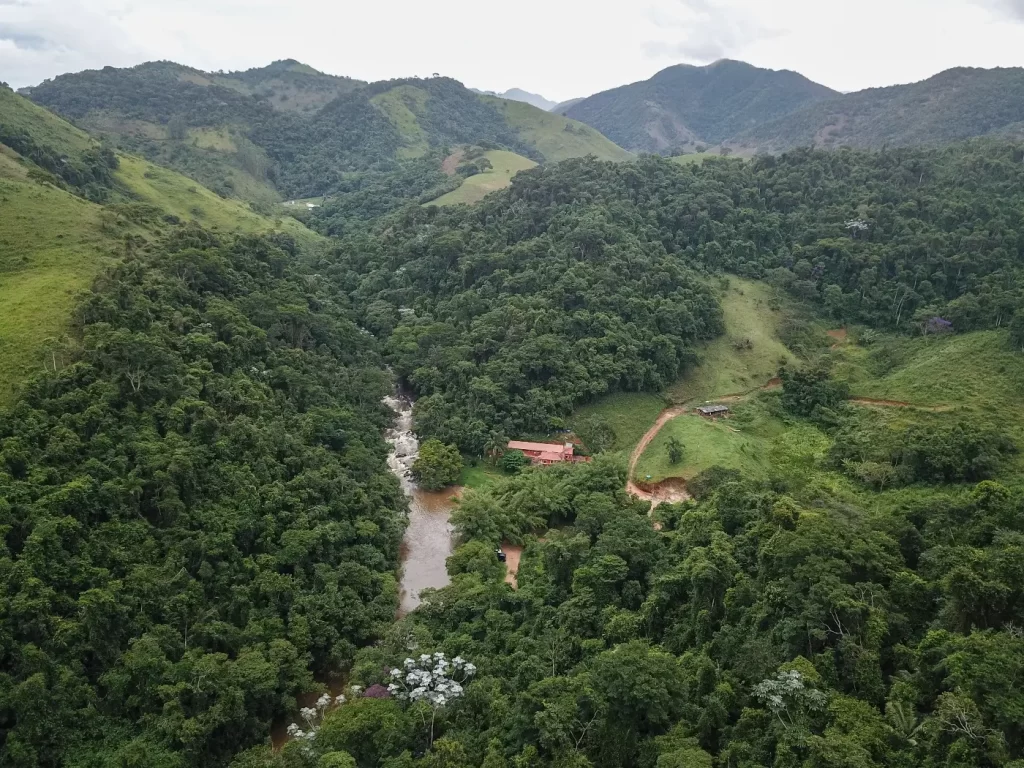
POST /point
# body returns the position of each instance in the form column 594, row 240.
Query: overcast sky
column 559, row 48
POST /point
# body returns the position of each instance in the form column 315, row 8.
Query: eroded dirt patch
column 451, row 163
column 669, row 491
column 513, row 553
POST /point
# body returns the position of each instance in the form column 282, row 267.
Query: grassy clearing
column 46, row 128
column 973, row 369
column 504, row 164
column 218, row 139
column 629, row 414
column 182, row 197
column 556, row 137
column 753, row 440
column 403, row 105
column 976, row 375
column 729, row 364
column 52, row 246
column 480, row 474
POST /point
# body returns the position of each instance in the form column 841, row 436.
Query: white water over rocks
column 428, row 539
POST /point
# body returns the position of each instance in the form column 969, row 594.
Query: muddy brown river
column 428, row 539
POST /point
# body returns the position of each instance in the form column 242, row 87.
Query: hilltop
column 518, row 94
column 686, row 109
column 72, row 207
column 685, row 106
column 288, row 130
column 956, row 104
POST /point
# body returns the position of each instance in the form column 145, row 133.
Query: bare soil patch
column 513, row 553
column 451, row 163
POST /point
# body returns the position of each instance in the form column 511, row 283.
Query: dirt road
column 670, row 491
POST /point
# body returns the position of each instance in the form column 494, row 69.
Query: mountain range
column 684, row 106
column 289, row 130
column 737, row 106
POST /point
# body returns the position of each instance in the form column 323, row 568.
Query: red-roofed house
column 546, row 453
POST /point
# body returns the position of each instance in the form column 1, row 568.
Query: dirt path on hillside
column 451, row 163
column 670, row 491
column 673, row 489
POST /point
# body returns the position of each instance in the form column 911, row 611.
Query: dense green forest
column 756, row 628
column 503, row 317
column 199, row 529
column 584, row 278
column 196, row 514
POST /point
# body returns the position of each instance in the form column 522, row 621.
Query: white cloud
column 559, row 48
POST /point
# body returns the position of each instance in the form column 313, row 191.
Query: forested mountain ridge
column 685, row 106
column 956, row 104
column 285, row 130
column 890, row 240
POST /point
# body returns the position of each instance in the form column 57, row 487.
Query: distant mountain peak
column 518, row 94
column 685, row 105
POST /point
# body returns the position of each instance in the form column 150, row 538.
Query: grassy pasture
column 747, row 355
column 556, row 137
column 504, row 164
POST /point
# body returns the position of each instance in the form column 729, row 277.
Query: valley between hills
column 267, row 336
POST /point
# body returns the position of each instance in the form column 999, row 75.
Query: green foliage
column 336, row 760
column 197, row 515
column 595, row 431
column 946, row 451
column 513, row 461
column 752, row 625
column 956, row 104
column 367, row 729
column 1017, row 331
column 674, row 449
column 811, row 391
column 508, row 331
column 437, row 465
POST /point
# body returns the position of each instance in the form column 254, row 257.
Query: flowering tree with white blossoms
column 789, row 697
column 433, row 679
column 313, row 716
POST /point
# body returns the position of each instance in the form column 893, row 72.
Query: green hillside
column 403, row 106
column 287, row 131
column 556, row 137
column 955, row 104
column 504, row 165
column 52, row 245
column 288, row 86
column 684, row 107
column 750, row 351
column 54, row 241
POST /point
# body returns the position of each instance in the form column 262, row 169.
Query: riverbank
column 428, row 538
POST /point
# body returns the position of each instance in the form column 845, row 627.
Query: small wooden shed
column 713, row 411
